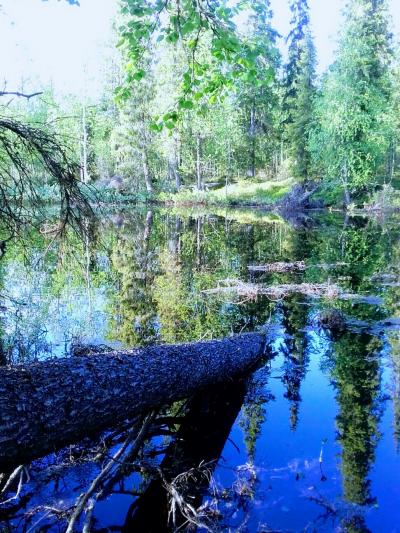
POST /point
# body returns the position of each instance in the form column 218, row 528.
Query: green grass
column 244, row 192
column 243, row 215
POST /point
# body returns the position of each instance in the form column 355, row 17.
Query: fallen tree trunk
column 47, row 405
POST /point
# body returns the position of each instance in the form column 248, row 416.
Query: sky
column 52, row 42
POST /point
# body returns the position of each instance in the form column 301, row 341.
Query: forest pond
column 309, row 442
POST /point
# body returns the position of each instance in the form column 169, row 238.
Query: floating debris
column 278, row 267
column 250, row 291
column 275, row 292
column 384, row 277
column 333, row 320
column 296, row 266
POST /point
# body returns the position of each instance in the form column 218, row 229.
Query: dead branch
column 96, row 483
column 11, row 478
column 25, row 149
column 278, row 267
column 292, row 267
column 20, row 95
column 176, row 489
column 275, row 292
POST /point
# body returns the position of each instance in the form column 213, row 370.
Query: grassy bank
column 243, row 193
column 242, row 215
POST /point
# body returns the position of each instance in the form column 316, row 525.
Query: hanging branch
column 23, row 150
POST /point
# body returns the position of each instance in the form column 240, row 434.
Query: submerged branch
column 89, row 497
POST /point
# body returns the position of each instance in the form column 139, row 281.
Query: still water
column 309, row 442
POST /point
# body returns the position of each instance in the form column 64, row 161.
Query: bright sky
column 54, row 42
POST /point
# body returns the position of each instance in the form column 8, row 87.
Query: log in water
column 49, row 404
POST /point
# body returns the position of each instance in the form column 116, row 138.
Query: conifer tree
column 299, row 89
column 354, row 112
column 257, row 97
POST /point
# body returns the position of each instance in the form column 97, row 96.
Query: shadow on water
column 200, row 440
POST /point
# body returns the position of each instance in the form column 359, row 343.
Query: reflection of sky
column 53, row 41
column 282, row 453
column 46, row 324
column 282, row 502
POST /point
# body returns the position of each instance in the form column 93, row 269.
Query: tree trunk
column 199, row 176
column 84, row 167
column 345, row 182
column 252, row 134
column 146, row 171
column 49, row 404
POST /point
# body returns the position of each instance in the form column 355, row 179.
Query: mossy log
column 47, row 405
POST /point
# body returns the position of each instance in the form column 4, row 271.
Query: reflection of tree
column 198, row 255
column 355, row 524
column 253, row 412
column 135, row 320
column 295, row 317
column 394, row 340
column 362, row 250
column 356, row 375
column 172, row 296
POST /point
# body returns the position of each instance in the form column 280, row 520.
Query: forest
column 201, row 107
column 199, row 273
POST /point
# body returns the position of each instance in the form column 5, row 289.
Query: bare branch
column 20, row 95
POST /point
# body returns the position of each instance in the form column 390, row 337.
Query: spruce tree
column 257, row 96
column 299, row 89
column 354, row 111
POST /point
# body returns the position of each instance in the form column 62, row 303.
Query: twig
column 188, row 512
column 13, row 475
column 85, row 497
column 20, row 470
column 87, row 526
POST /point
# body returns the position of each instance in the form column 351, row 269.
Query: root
column 177, row 487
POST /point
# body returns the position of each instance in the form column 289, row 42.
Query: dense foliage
column 198, row 98
column 219, row 105
column 354, row 114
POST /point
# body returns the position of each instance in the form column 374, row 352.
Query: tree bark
column 49, row 404
column 199, row 177
column 146, row 172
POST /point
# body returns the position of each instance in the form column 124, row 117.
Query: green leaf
column 186, row 104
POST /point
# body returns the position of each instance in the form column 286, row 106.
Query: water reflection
column 295, row 320
column 199, row 441
column 356, row 375
column 142, row 282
